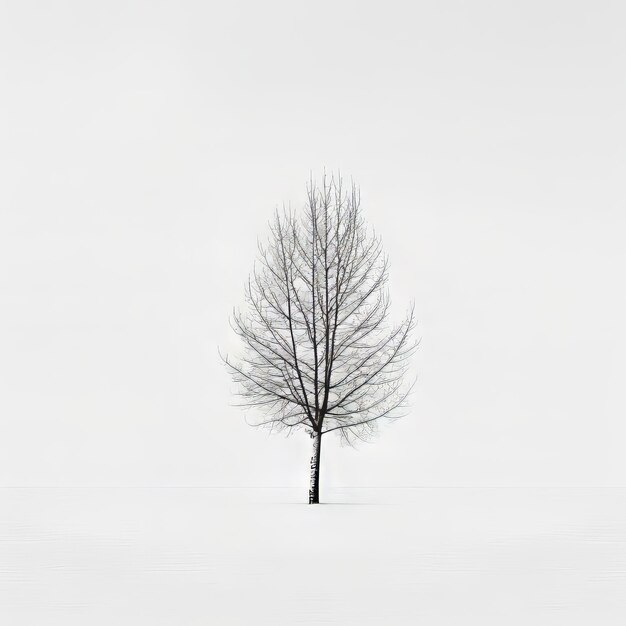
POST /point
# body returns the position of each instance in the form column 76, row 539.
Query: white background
column 144, row 147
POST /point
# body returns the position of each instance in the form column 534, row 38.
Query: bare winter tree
column 319, row 352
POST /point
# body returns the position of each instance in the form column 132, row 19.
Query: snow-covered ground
column 370, row 556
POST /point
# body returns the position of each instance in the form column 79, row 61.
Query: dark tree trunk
column 314, row 489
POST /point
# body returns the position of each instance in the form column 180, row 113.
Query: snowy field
column 194, row 556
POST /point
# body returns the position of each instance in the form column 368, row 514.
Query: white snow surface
column 206, row 556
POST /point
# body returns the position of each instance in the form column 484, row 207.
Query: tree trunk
column 314, row 489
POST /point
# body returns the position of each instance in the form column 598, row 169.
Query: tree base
column 314, row 489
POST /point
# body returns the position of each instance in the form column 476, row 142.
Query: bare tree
column 319, row 352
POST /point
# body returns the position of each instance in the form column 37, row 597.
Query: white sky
column 144, row 146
